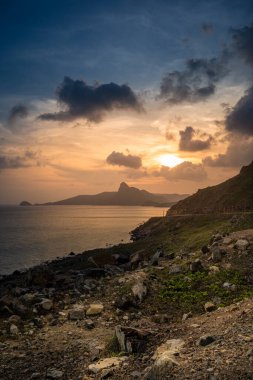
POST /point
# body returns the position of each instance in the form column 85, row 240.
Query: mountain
column 25, row 203
column 126, row 195
column 235, row 194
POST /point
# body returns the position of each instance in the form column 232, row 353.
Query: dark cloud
column 207, row 28
column 240, row 119
column 80, row 100
column 120, row 159
column 196, row 83
column 243, row 43
column 239, row 152
column 28, row 159
column 187, row 171
column 188, row 143
column 19, row 111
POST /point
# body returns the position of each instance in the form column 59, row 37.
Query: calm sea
column 31, row 235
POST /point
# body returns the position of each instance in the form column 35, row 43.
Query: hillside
column 126, row 195
column 235, row 194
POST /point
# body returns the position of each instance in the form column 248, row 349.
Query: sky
column 156, row 93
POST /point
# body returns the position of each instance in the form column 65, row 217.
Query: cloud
column 196, row 83
column 243, row 43
column 207, row 28
column 187, row 143
column 28, row 159
column 239, row 152
column 120, row 159
column 80, row 100
column 240, row 119
column 186, row 171
column 19, row 111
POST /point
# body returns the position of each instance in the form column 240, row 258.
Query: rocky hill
column 235, row 194
column 126, row 195
column 175, row 305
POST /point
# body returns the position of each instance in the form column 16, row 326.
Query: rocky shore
column 176, row 303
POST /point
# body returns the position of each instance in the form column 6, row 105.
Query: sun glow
column 169, row 160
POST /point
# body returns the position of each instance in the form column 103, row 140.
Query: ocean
column 34, row 234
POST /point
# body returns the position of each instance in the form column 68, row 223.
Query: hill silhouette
column 235, row 194
column 125, row 196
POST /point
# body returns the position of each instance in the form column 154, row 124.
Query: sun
column 169, row 160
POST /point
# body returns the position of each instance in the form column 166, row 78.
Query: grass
column 190, row 291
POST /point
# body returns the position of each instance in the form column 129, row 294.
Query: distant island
column 125, row 196
column 25, row 203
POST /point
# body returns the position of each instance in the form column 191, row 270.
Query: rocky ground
column 179, row 313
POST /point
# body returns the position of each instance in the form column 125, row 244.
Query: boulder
column 14, row 329
column 131, row 340
column 216, row 254
column 107, row 363
column 165, row 358
column 155, row 258
column 46, row 304
column 242, row 244
column 196, row 266
column 205, row 249
column 209, row 306
column 53, row 373
column 136, row 259
column 77, row 313
column 95, row 309
column 206, row 340
column 139, row 290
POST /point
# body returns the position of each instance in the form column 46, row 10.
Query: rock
column 227, row 240
column 89, row 324
column 242, row 244
column 205, row 249
column 249, row 352
column 139, row 290
column 205, row 340
column 131, row 340
column 155, row 258
column 77, row 313
column 41, row 276
column 186, row 316
column 214, row 269
column 165, row 359
column 95, row 309
column 209, row 306
column 170, row 256
column 136, row 375
column 196, row 266
column 54, row 374
column 216, row 254
column 125, row 302
column 14, row 330
column 175, row 269
column 107, row 363
column 35, row 375
column 46, row 304
column 15, row 319
column 136, row 259
column 122, row 258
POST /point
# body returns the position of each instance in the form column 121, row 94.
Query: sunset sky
column 155, row 93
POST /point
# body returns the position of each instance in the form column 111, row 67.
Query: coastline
column 154, row 289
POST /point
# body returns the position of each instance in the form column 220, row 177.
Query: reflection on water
column 30, row 235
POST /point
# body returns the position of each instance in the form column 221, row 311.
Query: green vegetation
column 190, row 291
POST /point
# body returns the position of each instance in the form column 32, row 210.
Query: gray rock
column 175, row 269
column 76, row 313
column 155, row 258
column 35, row 375
column 205, row 340
column 186, row 316
column 196, row 266
column 14, row 330
column 216, row 254
column 205, row 249
column 209, row 306
column 46, row 304
column 53, row 373
column 242, row 244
